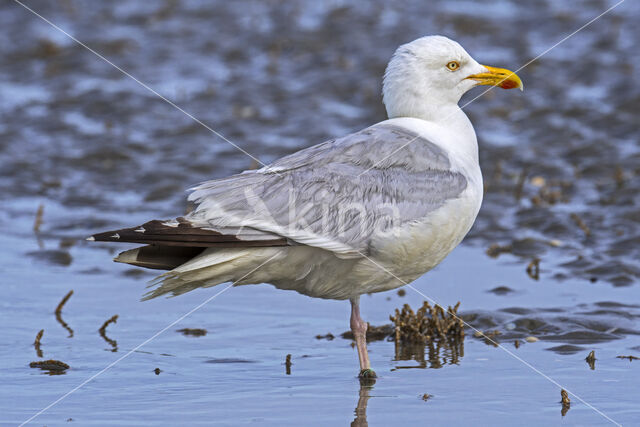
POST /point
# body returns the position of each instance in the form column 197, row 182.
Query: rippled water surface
column 96, row 150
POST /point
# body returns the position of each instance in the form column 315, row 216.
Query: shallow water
column 98, row 151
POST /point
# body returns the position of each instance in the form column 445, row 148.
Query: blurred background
column 83, row 147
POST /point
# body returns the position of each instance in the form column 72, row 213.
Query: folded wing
column 338, row 195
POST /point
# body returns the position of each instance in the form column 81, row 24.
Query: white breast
column 418, row 247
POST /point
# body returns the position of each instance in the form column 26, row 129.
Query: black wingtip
column 182, row 233
column 107, row 236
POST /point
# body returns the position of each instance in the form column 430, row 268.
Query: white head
column 427, row 77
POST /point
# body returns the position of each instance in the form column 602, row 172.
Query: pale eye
column 453, row 65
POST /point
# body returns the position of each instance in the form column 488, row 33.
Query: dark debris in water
column 193, row 332
column 566, row 402
column 631, row 358
column 58, row 313
column 112, row 319
column 54, row 367
column 63, row 301
column 103, row 332
column 533, row 269
column 591, row 359
column 287, row 364
column 36, row 343
column 329, row 336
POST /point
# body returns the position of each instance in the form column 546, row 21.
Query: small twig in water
column 38, row 221
column 631, row 358
column 112, row 319
column 36, row 343
column 59, row 313
column 591, row 360
column 103, row 329
column 287, row 364
column 566, row 402
column 580, row 223
column 64, row 301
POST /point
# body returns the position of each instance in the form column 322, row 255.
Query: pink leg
column 359, row 329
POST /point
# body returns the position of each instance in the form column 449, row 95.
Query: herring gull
column 367, row 212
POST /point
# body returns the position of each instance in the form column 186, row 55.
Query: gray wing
column 337, row 195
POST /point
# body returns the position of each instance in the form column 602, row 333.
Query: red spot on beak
column 508, row 84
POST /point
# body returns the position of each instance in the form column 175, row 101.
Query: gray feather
column 337, row 195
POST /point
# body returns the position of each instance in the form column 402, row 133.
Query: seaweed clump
column 430, row 326
column 427, row 324
column 53, row 367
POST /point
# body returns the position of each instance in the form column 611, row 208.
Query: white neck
column 462, row 133
column 450, row 119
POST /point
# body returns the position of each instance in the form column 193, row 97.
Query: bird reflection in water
column 434, row 353
column 366, row 385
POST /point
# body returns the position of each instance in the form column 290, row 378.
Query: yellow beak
column 502, row 77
